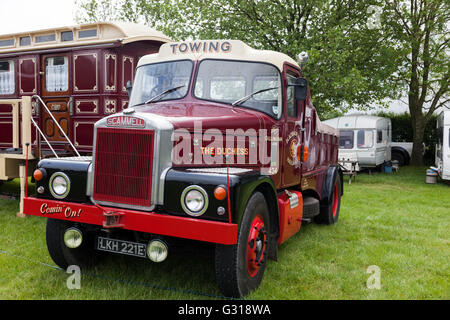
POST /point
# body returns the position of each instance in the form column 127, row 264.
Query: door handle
column 70, row 105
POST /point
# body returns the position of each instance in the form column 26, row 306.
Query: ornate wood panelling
column 28, row 76
column 127, row 71
column 86, row 106
column 85, row 72
column 110, row 72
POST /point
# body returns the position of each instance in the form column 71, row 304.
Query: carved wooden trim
column 107, row 57
column 124, row 59
column 109, row 110
column 80, row 101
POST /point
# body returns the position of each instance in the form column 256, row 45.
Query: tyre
column 399, row 157
column 83, row 256
column 329, row 212
column 240, row 267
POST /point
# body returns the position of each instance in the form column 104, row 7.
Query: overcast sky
column 29, row 15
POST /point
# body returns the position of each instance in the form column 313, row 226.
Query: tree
column 420, row 30
column 351, row 65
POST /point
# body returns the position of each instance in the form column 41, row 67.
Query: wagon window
column 45, row 38
column 25, row 41
column 365, row 138
column 56, row 74
column 87, row 33
column 346, row 140
column 7, row 43
column 7, row 83
column 67, row 36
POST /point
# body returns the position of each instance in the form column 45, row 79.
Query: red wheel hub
column 256, row 246
column 335, row 199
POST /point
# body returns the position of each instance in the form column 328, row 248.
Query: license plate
column 123, row 247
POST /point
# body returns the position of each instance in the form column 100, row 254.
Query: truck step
column 311, row 208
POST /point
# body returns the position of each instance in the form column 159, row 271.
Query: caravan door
column 56, row 94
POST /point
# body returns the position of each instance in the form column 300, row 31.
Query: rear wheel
column 240, row 268
column 63, row 256
column 329, row 212
column 399, row 157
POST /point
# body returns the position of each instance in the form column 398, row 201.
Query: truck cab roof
column 216, row 49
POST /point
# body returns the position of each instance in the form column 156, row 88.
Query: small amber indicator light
column 38, row 175
column 305, row 154
column 220, row 193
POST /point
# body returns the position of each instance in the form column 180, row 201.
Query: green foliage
column 350, row 64
column 402, row 131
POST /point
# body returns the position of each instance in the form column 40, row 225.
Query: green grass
column 396, row 222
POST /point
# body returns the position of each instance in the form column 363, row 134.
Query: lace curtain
column 7, row 83
column 56, row 76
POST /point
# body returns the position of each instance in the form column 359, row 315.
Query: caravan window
column 365, row 138
column 7, row 83
column 56, row 74
column 346, row 140
column 379, row 136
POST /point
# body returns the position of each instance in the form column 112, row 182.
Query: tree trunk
column 418, row 123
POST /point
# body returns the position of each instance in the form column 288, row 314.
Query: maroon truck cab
column 221, row 143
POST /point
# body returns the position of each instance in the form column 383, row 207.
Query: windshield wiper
column 242, row 100
column 155, row 98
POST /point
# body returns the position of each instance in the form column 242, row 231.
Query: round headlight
column 73, row 238
column 157, row 251
column 194, row 200
column 59, row 185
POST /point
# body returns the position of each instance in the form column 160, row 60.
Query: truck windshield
column 230, row 81
column 346, row 139
column 154, row 79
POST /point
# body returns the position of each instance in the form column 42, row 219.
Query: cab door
column 55, row 93
column 292, row 131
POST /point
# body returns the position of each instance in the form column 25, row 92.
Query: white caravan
column 363, row 139
column 442, row 159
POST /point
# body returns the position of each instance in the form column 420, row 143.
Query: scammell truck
column 220, row 143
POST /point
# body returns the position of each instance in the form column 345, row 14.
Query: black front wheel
column 240, row 267
column 63, row 256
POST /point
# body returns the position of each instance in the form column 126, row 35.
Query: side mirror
column 301, row 88
column 129, row 87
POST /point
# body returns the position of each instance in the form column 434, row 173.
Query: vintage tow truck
column 220, row 143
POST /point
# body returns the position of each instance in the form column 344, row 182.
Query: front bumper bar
column 149, row 222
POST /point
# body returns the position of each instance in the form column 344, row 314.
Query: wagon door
column 55, row 92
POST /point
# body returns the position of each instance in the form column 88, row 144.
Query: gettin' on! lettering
column 201, row 47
